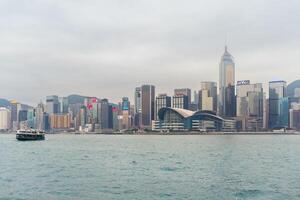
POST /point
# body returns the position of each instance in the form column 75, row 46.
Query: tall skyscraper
column 147, row 105
column 184, row 92
column 208, row 96
column 227, row 85
column 162, row 101
column 137, row 107
column 277, row 91
column 104, row 114
column 39, row 113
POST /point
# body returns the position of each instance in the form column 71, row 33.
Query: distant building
column 181, row 101
column 52, row 104
column 5, row 119
column 115, row 111
column 297, row 92
column 22, row 116
column 138, row 107
column 39, row 113
column 82, row 117
column 147, row 105
column 46, row 122
column 92, row 105
column 103, row 114
column 249, row 105
column 227, row 86
column 284, row 112
column 277, row 91
column 294, row 115
column 63, row 105
column 177, row 119
column 126, row 116
column 184, row 92
column 208, row 96
column 60, row 121
column 31, row 118
column 15, row 108
column 162, row 101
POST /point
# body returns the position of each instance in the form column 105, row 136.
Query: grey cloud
column 106, row 48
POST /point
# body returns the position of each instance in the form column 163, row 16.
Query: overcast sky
column 106, row 48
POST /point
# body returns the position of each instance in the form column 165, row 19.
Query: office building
column 184, row 92
column 162, row 101
column 249, row 105
column 60, row 121
column 208, row 97
column 15, row 108
column 277, row 91
column 103, row 114
column 52, row 104
column 39, row 113
column 31, row 118
column 227, row 86
column 294, row 114
column 147, row 105
column 181, row 101
column 63, row 105
column 5, row 119
column 125, row 118
column 284, row 112
column 138, row 107
column 22, row 116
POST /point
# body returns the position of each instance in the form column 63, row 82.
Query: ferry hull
column 25, row 137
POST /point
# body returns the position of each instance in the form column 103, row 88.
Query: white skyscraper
column 227, row 85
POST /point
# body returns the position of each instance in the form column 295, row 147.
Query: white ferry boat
column 32, row 134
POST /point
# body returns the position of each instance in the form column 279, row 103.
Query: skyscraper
column 103, row 114
column 126, row 117
column 277, row 91
column 40, row 111
column 15, row 108
column 63, row 105
column 137, row 107
column 249, row 105
column 208, row 96
column 5, row 119
column 147, row 105
column 184, row 92
column 52, row 104
column 181, row 101
column 162, row 101
column 227, row 85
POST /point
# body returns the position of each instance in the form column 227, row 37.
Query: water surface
column 71, row 167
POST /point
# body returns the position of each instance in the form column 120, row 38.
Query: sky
column 106, row 48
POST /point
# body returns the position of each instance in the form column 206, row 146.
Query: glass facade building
column 181, row 101
column 147, row 105
column 227, row 85
column 277, row 91
column 162, row 101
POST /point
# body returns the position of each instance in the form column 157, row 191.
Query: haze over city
column 107, row 48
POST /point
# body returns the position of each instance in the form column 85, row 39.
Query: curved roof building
column 185, row 120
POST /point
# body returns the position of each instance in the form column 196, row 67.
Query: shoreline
column 169, row 134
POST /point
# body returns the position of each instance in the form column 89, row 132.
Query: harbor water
column 149, row 167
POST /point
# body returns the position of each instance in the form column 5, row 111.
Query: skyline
column 106, row 49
